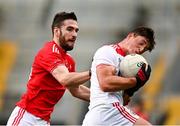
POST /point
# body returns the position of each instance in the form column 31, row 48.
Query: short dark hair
column 148, row 33
column 60, row 17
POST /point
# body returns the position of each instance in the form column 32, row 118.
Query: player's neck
column 56, row 41
column 122, row 44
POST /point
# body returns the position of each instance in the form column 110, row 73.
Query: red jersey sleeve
column 71, row 63
column 49, row 59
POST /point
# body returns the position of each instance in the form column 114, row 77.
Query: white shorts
column 20, row 117
column 110, row 114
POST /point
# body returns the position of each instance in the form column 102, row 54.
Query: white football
column 130, row 65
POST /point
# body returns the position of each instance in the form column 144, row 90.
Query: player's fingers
column 149, row 69
column 148, row 72
column 143, row 67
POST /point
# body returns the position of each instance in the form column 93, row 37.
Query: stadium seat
column 7, row 57
column 173, row 111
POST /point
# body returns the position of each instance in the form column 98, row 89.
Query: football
column 130, row 65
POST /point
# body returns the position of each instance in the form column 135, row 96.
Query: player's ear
column 130, row 35
column 56, row 31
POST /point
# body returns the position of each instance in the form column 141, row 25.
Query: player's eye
column 69, row 29
column 143, row 42
column 76, row 30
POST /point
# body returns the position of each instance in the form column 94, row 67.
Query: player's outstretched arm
column 81, row 92
column 66, row 78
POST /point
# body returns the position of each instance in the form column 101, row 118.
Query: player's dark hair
column 60, row 17
column 148, row 33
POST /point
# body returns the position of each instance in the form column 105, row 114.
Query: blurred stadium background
column 25, row 26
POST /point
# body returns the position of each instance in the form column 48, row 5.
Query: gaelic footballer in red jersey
column 53, row 71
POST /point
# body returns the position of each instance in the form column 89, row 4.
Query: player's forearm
column 84, row 93
column 75, row 79
column 110, row 82
column 80, row 92
column 66, row 78
column 115, row 83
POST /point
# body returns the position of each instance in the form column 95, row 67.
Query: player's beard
column 64, row 43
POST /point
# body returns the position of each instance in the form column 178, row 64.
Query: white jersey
column 111, row 55
column 106, row 108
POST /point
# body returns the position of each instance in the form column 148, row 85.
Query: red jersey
column 43, row 90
